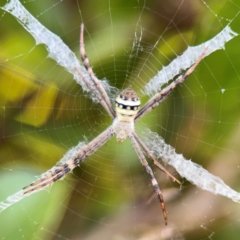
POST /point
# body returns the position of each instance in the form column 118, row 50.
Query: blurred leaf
column 15, row 86
column 39, row 208
column 38, row 109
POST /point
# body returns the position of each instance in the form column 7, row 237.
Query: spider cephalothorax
column 127, row 105
column 125, row 115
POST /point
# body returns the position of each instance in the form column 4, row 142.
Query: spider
column 127, row 111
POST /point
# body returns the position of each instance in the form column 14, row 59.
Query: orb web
column 44, row 113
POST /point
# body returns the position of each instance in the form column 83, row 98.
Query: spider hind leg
column 150, row 173
column 51, row 176
column 156, row 163
column 158, row 192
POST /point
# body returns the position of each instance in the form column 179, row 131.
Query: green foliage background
column 43, row 113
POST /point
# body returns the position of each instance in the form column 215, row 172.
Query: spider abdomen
column 127, row 106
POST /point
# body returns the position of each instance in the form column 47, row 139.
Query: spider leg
column 95, row 93
column 150, row 173
column 148, row 152
column 59, row 172
column 94, row 79
column 161, row 96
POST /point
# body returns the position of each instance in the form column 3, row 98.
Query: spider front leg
column 94, row 79
column 150, row 173
column 161, row 96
